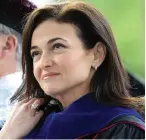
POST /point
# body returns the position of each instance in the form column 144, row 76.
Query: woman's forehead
column 51, row 29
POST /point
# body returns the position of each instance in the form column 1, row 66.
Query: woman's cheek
column 36, row 72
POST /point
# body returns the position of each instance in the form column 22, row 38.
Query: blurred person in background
column 137, row 85
column 11, row 14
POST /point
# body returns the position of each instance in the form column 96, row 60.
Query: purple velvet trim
column 83, row 117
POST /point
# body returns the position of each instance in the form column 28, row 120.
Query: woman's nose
column 46, row 62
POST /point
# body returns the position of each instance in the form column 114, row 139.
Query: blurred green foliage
column 127, row 20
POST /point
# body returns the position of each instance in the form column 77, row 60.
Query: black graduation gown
column 84, row 117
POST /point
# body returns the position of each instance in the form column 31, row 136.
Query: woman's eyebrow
column 33, row 47
column 54, row 39
column 49, row 42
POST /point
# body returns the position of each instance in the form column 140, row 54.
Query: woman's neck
column 71, row 95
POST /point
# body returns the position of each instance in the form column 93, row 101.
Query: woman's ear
column 99, row 54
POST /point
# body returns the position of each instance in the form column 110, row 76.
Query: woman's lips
column 51, row 74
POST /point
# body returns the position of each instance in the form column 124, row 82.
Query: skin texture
column 72, row 65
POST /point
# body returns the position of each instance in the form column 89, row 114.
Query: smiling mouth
column 50, row 76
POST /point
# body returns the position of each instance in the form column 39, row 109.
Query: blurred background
column 127, row 19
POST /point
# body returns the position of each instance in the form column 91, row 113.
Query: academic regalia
column 13, row 13
column 82, row 117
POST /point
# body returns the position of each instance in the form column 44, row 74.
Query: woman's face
column 60, row 61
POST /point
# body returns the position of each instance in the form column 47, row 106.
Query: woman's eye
column 35, row 53
column 58, row 46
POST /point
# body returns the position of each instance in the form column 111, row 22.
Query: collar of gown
column 84, row 116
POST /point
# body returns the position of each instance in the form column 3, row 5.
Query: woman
column 70, row 55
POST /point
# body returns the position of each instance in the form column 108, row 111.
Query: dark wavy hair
column 110, row 83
